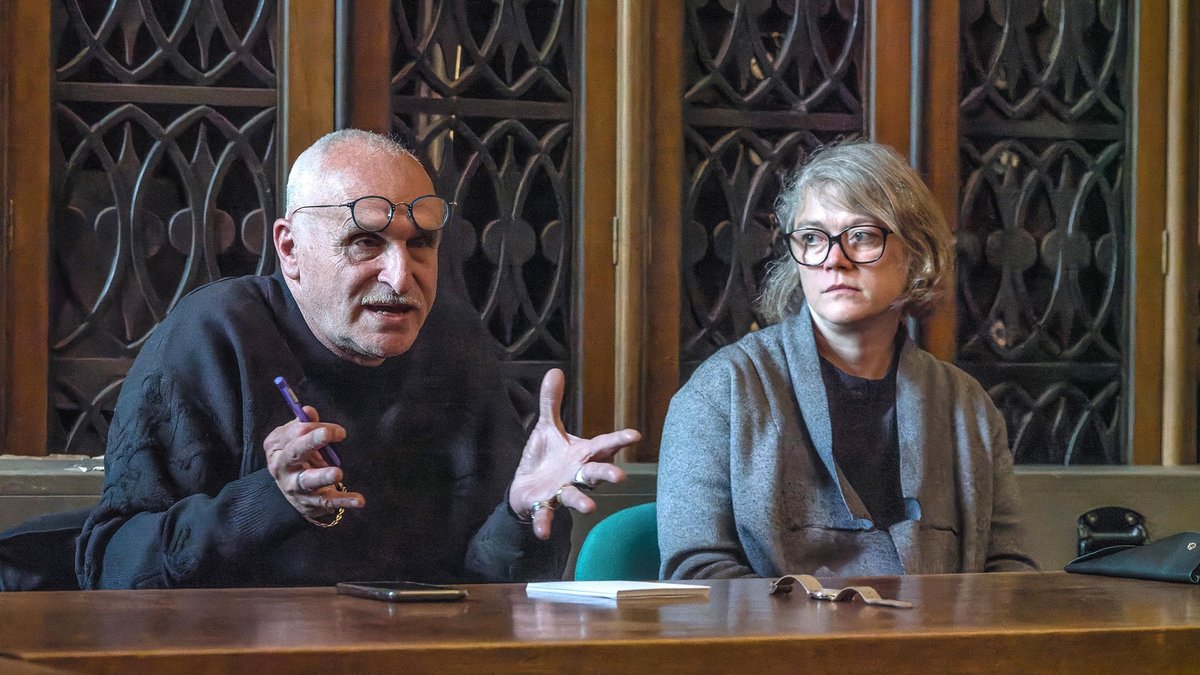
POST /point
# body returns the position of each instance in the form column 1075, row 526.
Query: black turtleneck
column 866, row 448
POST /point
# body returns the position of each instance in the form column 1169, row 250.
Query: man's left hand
column 558, row 469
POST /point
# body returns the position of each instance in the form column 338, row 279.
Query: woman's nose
column 837, row 255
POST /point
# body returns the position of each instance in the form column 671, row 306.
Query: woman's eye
column 863, row 236
column 810, row 239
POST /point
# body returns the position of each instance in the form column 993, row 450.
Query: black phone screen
column 401, row 591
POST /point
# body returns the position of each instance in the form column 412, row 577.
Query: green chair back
column 623, row 546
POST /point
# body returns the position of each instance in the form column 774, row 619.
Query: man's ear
column 285, row 248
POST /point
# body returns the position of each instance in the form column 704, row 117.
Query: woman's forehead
column 822, row 205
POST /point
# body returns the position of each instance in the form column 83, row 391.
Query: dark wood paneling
column 763, row 83
column 1043, row 227
column 163, row 177
column 465, row 76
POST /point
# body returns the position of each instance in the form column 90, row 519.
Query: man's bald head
column 310, row 181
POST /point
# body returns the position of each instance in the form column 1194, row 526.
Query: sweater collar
column 804, row 368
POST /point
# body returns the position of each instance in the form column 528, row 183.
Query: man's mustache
column 392, row 299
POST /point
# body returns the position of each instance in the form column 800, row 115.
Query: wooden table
column 1050, row 622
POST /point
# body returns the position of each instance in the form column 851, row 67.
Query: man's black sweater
column 432, row 442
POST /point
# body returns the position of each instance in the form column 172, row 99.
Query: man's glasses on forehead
column 373, row 213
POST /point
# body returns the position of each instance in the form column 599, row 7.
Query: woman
column 829, row 443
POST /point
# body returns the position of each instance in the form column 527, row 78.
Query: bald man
column 412, row 463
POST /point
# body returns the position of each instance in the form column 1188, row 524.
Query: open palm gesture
column 559, row 469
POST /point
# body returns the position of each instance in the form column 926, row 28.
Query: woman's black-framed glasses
column 861, row 244
column 373, row 213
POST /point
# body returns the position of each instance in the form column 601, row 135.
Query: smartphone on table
column 401, row 591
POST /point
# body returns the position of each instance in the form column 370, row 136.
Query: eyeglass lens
column 863, row 244
column 429, row 212
column 373, row 214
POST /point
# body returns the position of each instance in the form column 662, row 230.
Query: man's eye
column 365, row 242
column 424, row 241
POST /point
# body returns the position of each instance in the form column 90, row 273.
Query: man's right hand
column 306, row 480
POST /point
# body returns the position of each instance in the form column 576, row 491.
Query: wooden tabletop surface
column 1048, row 622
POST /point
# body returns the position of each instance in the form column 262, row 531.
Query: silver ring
column 300, row 481
column 543, row 504
column 582, row 483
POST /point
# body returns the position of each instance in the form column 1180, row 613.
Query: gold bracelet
column 337, row 518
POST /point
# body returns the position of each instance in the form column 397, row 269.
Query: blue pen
column 327, row 452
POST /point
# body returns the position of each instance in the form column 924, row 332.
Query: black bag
column 39, row 554
column 1175, row 558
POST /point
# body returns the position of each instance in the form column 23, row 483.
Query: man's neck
column 340, row 351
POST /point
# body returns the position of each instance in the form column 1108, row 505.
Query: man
column 212, row 481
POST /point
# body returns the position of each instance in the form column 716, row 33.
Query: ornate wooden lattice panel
column 1042, row 239
column 486, row 93
column 163, row 171
column 764, row 82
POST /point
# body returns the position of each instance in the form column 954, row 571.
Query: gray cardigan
column 747, row 484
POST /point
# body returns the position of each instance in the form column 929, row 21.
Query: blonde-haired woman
column 829, row 443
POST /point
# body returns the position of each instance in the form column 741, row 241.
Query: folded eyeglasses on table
column 870, row 596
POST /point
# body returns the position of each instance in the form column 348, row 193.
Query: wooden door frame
column 651, row 207
column 596, row 178
column 1180, row 325
column 306, row 76
column 25, row 61
column 1148, row 198
column 363, row 67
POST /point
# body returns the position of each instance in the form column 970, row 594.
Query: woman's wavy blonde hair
column 873, row 180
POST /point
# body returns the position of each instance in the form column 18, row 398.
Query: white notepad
column 614, row 590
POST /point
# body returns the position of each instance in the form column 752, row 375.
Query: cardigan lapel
column 804, row 367
column 913, row 437
column 910, row 423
